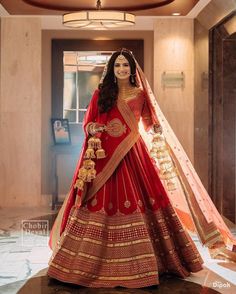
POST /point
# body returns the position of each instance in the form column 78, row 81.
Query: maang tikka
column 121, row 56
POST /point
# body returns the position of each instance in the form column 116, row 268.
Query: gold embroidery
column 194, row 260
column 140, row 203
column 128, row 115
column 142, row 275
column 65, row 270
column 212, row 241
column 116, row 260
column 57, row 224
column 108, row 278
column 95, row 249
column 115, row 128
column 93, row 223
column 68, row 251
column 94, row 202
column 110, row 245
column 205, row 237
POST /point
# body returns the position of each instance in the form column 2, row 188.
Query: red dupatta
column 190, row 200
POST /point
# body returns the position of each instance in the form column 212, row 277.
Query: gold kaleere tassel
column 87, row 172
column 82, row 173
column 91, row 142
column 89, row 164
column 97, row 143
column 160, row 152
column 91, row 175
column 171, row 185
column 100, row 153
column 89, row 153
column 79, row 184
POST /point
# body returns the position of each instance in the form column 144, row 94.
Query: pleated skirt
column 127, row 235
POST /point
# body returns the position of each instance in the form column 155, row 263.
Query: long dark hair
column 108, row 88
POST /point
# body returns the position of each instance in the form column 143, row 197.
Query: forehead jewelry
column 121, row 57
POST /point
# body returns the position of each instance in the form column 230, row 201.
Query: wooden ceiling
column 138, row 7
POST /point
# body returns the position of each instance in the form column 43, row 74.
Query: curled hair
column 108, row 88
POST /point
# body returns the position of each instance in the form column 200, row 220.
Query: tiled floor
column 24, row 261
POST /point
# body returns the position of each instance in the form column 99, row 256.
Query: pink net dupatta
column 190, row 199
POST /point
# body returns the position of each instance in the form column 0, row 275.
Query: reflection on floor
column 24, row 256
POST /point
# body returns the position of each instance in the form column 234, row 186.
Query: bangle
column 91, row 128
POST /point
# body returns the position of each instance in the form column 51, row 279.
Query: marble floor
column 25, row 255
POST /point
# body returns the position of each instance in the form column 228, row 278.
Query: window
column 72, row 80
column 82, row 74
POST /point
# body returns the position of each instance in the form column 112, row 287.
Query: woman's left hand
column 157, row 128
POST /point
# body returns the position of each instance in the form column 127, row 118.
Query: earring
column 132, row 78
column 115, row 79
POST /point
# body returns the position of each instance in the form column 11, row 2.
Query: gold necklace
column 126, row 93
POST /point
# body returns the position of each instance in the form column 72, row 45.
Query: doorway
column 222, row 177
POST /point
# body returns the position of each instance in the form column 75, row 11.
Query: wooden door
column 222, row 172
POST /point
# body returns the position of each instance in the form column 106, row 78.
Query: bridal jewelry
column 160, row 153
column 121, row 56
column 87, row 172
column 128, row 92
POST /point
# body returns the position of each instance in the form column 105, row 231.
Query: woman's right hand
column 94, row 128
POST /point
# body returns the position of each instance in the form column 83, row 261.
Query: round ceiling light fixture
column 176, row 13
column 98, row 18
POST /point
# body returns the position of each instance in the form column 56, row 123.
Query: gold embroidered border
column 223, row 252
column 82, row 273
column 120, row 151
column 107, row 226
column 110, row 245
column 116, row 260
column 70, row 252
column 57, row 224
column 213, row 233
column 127, row 115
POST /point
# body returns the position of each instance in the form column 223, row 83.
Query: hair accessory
column 121, row 56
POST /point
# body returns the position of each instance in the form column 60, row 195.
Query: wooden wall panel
column 174, row 52
column 201, row 101
column 20, row 112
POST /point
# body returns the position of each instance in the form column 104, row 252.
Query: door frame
column 61, row 45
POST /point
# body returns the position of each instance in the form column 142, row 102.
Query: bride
column 126, row 218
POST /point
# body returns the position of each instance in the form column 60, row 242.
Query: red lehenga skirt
column 127, row 235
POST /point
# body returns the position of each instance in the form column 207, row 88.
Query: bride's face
column 122, row 68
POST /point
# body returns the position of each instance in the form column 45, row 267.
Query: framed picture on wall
column 60, row 131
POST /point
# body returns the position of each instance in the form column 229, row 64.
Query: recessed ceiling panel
column 138, row 7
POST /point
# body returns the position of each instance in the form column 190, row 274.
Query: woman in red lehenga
column 121, row 229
